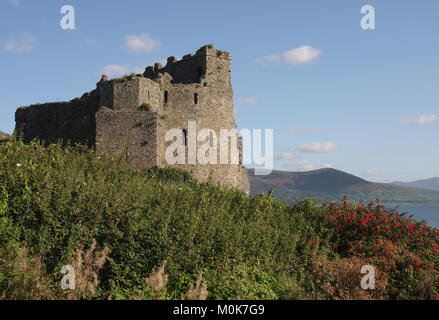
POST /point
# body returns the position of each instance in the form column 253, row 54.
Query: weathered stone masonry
column 129, row 117
column 4, row 137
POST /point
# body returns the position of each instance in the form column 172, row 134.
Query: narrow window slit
column 184, row 137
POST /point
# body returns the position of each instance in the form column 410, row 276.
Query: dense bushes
column 159, row 234
column 404, row 250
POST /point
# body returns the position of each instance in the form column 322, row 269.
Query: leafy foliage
column 60, row 203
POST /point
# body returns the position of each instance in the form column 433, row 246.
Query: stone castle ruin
column 129, row 117
column 4, row 137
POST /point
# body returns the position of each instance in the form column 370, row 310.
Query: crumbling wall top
column 4, row 136
column 189, row 69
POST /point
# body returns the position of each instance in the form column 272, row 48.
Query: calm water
column 427, row 212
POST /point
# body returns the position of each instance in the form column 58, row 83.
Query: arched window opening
column 166, row 96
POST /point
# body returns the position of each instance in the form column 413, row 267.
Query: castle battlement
column 206, row 64
column 130, row 116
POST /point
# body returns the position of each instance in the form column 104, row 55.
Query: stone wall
column 72, row 121
column 211, row 109
column 4, row 137
column 131, row 135
column 129, row 117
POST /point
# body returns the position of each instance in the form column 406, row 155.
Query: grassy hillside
column 158, row 234
column 333, row 184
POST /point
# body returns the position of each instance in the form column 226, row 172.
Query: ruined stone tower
column 131, row 116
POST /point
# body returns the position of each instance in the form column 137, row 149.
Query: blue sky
column 362, row 101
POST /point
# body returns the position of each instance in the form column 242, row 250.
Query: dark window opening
column 205, row 84
column 184, row 137
column 166, row 96
column 196, row 98
column 200, row 73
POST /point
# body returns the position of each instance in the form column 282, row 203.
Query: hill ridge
column 333, row 184
column 430, row 183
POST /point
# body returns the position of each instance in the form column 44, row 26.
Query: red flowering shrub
column 404, row 249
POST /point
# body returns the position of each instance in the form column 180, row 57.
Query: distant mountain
column 334, row 184
column 431, row 184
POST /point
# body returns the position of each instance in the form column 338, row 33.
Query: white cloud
column 305, row 165
column 318, row 147
column 300, row 165
column 23, row 43
column 423, row 119
column 15, row 3
column 119, row 70
column 163, row 61
column 247, row 101
column 115, row 70
column 295, row 56
column 272, row 58
column 296, row 163
column 300, row 55
column 137, row 70
column 286, row 156
column 370, row 173
column 305, row 130
column 141, row 43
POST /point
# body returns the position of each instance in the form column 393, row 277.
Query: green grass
column 54, row 200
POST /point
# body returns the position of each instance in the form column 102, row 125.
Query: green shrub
column 219, row 53
column 56, row 200
column 144, row 107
